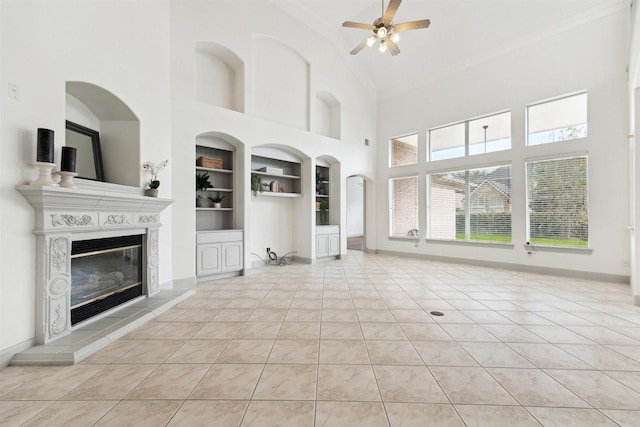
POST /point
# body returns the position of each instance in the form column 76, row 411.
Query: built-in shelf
column 221, row 190
column 286, row 182
column 272, row 194
column 322, row 195
column 215, row 209
column 200, row 168
column 272, row 175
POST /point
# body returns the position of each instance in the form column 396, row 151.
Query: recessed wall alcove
column 281, row 79
column 219, row 76
column 96, row 108
column 327, row 119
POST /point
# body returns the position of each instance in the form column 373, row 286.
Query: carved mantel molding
column 64, row 215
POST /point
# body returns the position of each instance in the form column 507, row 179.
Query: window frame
column 528, row 209
column 390, row 150
column 392, row 207
column 467, row 142
column 550, row 100
column 468, row 206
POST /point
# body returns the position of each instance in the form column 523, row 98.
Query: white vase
column 151, row 192
column 216, row 205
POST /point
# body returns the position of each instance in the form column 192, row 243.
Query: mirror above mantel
column 89, row 154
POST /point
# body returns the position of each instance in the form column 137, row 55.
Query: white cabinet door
column 334, row 244
column 231, row 256
column 322, row 246
column 209, row 259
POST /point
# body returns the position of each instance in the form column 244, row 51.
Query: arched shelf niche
column 327, row 115
column 219, row 75
column 96, row 108
column 328, row 178
column 227, row 179
column 281, row 80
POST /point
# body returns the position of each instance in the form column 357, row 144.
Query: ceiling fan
column 385, row 30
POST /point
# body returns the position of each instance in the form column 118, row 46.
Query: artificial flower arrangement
column 154, row 182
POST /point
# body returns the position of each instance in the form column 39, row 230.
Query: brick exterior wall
column 403, row 153
column 405, row 206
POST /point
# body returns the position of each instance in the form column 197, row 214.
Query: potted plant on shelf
column 202, row 184
column 256, row 184
column 324, row 209
column 154, row 182
column 216, row 200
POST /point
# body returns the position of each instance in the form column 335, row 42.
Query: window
column 472, row 205
column 483, row 135
column 403, row 215
column 558, row 120
column 404, row 150
column 557, row 196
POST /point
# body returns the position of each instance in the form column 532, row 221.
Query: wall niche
column 96, row 108
column 219, row 74
column 327, row 115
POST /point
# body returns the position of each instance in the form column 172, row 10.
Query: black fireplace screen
column 104, row 273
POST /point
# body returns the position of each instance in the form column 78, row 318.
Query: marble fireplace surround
column 64, row 215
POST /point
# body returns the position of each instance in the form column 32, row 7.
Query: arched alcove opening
column 280, row 216
column 281, row 79
column 219, row 75
column 98, row 109
column 327, row 115
column 226, row 179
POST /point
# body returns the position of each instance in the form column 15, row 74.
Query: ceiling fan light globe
column 383, row 46
column 371, row 40
column 395, row 37
column 382, row 32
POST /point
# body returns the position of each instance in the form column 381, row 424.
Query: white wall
column 120, row 46
column 281, row 224
column 592, row 57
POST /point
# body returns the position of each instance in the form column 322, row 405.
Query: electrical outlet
column 14, row 91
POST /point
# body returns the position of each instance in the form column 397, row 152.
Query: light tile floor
column 353, row 343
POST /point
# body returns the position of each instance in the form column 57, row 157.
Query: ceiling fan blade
column 350, row 24
column 413, row 25
column 393, row 48
column 359, row 47
column 391, row 11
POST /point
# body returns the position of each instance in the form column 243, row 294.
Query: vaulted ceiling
column 462, row 32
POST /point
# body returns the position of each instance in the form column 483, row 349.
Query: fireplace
column 105, row 273
column 92, row 224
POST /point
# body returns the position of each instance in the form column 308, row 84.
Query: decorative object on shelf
column 266, row 186
column 216, row 200
column 256, row 184
column 66, row 179
column 201, row 202
column 271, row 170
column 154, row 183
column 45, row 146
column 274, row 186
column 317, row 206
column 209, row 162
column 319, row 180
column 44, row 159
column 202, row 182
column 68, row 163
column 324, row 207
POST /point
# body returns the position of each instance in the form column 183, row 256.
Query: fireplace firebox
column 104, row 274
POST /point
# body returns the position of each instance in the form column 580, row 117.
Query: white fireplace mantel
column 64, row 215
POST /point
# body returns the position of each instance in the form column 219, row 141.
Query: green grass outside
column 535, row 241
column 485, row 238
column 559, row 242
